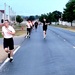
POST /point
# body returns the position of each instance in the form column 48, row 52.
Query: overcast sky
column 34, row 7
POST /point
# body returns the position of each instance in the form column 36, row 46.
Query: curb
column 7, row 59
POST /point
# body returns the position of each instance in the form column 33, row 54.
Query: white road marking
column 64, row 40
column 16, row 49
column 8, row 58
column 73, row 46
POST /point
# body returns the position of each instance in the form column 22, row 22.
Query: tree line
column 51, row 17
column 68, row 14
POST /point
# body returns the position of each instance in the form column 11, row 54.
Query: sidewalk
column 17, row 42
column 3, row 54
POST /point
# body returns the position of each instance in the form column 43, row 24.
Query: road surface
column 54, row 55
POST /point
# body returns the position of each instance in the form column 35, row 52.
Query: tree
column 36, row 16
column 19, row 19
column 42, row 16
column 31, row 18
column 56, row 14
column 51, row 17
column 69, row 11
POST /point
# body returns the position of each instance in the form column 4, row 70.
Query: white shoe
column 11, row 59
column 26, row 36
column 44, row 36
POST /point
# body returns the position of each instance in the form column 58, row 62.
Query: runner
column 8, row 43
column 44, row 27
column 36, row 24
column 28, row 29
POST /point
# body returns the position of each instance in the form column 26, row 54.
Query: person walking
column 44, row 27
column 28, row 24
column 8, row 42
column 36, row 25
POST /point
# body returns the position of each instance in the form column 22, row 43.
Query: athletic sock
column 11, row 59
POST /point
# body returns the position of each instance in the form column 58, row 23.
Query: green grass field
column 1, row 35
column 71, row 28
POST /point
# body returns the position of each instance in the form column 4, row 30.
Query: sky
column 34, row 7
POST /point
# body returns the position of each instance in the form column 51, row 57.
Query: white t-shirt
column 28, row 25
column 6, row 30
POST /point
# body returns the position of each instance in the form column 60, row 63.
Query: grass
column 62, row 26
column 1, row 35
column 71, row 28
column 20, row 32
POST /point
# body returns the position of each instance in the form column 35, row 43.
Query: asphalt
column 54, row 55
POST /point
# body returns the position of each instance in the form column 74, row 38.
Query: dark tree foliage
column 69, row 11
column 19, row 19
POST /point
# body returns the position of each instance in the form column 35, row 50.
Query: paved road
column 54, row 55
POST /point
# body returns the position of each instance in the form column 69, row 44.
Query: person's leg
column 11, row 55
column 11, row 47
column 5, row 44
column 44, row 33
column 6, row 50
column 36, row 26
column 27, row 33
column 30, row 29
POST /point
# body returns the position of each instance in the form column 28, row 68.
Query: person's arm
column 47, row 23
column 1, row 24
column 12, row 31
column 26, row 24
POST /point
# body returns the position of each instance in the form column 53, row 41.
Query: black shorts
column 8, row 43
column 28, row 30
column 44, row 27
column 36, row 26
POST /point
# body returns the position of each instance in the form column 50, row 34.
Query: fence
column 67, row 23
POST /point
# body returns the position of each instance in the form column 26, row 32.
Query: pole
column 15, row 17
column 4, row 11
column 9, row 14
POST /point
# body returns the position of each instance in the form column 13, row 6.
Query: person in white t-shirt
column 28, row 28
column 8, row 43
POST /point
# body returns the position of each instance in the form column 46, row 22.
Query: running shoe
column 11, row 59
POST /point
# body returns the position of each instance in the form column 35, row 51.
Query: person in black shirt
column 44, row 27
column 36, row 24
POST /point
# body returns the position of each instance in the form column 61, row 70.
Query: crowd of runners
column 8, row 32
column 31, row 25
